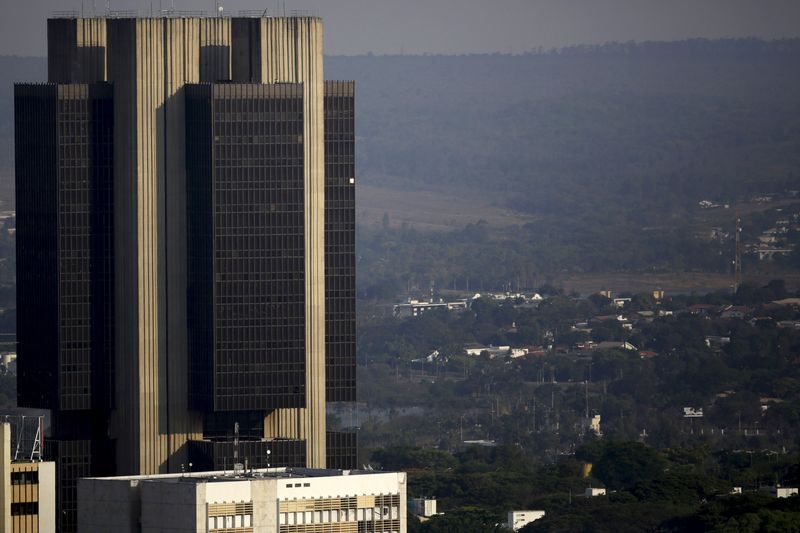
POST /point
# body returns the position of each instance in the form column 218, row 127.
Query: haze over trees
column 603, row 152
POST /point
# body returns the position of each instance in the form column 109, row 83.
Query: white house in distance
column 475, row 349
column 781, row 492
column 417, row 307
column 422, row 507
column 591, row 492
column 519, row 519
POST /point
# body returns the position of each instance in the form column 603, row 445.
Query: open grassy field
column 677, row 282
column 430, row 211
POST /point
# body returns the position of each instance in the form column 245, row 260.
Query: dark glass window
column 25, row 508
column 25, row 478
column 246, row 246
column 340, row 275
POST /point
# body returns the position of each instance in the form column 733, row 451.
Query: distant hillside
column 650, row 123
column 551, row 131
column 588, row 159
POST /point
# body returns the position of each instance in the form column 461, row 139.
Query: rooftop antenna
column 237, row 466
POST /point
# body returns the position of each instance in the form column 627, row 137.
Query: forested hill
column 646, row 125
column 599, row 154
column 550, row 131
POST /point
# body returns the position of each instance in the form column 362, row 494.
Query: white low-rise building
column 591, row 492
column 519, row 519
column 424, row 507
column 417, row 307
column 273, row 500
column 781, row 492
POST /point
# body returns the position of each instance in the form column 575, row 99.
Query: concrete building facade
column 107, row 170
column 277, row 500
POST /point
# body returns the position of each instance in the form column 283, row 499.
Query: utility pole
column 737, row 255
column 587, row 399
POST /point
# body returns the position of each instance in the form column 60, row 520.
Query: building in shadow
column 185, row 246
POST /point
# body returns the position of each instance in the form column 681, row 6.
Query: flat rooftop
column 255, row 473
column 168, row 13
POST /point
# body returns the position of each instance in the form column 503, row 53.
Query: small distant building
column 658, row 295
column 735, row 311
column 616, row 345
column 606, row 318
column 475, row 349
column 619, row 303
column 702, row 309
column 766, row 402
column 27, row 488
column 781, row 492
column 795, row 302
column 270, row 500
column 593, row 425
column 736, row 490
column 537, row 351
column 417, row 307
column 430, row 358
column 768, row 253
column 591, row 492
column 481, row 442
column 422, row 507
column 715, row 341
column 519, row 519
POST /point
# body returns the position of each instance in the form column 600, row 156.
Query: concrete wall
column 175, row 507
column 76, row 50
column 47, row 497
column 108, row 505
column 5, row 477
column 150, row 60
column 265, row 510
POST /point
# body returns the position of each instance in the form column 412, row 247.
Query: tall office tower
column 185, row 240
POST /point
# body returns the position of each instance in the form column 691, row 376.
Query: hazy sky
column 459, row 26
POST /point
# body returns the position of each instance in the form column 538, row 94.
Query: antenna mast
column 737, row 258
column 237, row 466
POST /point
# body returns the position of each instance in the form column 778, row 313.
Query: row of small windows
column 24, row 508
column 216, row 523
column 25, row 478
column 339, row 515
column 258, row 116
